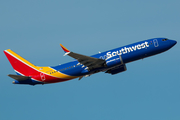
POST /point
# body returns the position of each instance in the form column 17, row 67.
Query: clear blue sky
column 148, row 90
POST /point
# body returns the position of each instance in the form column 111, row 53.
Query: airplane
column 112, row 61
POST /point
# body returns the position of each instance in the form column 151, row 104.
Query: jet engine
column 116, row 70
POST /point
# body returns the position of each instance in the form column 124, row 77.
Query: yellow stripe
column 20, row 58
column 54, row 73
column 45, row 70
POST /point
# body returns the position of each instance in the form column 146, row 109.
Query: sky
column 148, row 90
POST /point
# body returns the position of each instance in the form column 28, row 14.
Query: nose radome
column 173, row 42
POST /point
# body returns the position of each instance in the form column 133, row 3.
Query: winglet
column 65, row 49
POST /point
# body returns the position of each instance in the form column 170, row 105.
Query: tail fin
column 20, row 65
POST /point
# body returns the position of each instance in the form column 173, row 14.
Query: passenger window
column 150, row 43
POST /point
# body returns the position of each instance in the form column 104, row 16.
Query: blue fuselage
column 119, row 56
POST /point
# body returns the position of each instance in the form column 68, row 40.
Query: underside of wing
column 87, row 61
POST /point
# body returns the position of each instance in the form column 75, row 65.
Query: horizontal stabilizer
column 19, row 77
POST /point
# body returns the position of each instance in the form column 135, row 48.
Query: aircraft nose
column 173, row 42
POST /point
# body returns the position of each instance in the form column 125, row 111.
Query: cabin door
column 155, row 43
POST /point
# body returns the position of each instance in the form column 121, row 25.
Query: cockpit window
column 164, row 39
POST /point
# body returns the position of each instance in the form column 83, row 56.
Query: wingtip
column 65, row 49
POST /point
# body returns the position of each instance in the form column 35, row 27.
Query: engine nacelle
column 118, row 69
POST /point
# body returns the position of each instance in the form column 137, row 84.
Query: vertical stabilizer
column 20, row 65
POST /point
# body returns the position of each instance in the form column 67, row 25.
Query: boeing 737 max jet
column 112, row 61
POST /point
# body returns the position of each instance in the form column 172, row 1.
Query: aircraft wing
column 87, row 61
